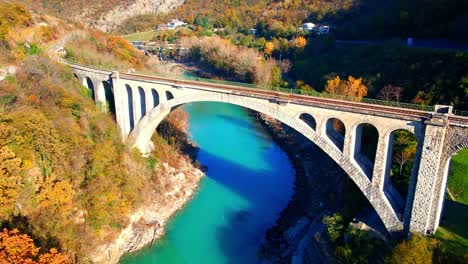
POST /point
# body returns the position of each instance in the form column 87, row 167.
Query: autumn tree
column 10, row 181
column 268, row 48
column 423, row 98
column 16, row 248
column 3, row 29
column 352, row 87
column 299, row 42
column 391, row 92
column 416, row 250
column 15, row 14
column 123, row 50
column 303, row 86
column 55, row 198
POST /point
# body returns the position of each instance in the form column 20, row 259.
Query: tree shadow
column 455, row 217
column 43, row 240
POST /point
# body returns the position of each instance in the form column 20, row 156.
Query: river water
column 248, row 183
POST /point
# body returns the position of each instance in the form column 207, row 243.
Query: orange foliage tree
column 351, row 87
column 269, row 47
column 299, row 42
column 16, row 248
column 123, row 50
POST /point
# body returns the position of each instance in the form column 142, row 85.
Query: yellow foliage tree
column 10, row 181
column 3, row 30
column 417, row 250
column 268, row 48
column 15, row 14
column 56, row 197
column 351, row 87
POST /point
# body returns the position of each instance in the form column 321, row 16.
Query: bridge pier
column 427, row 192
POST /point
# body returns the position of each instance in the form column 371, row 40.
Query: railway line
column 284, row 97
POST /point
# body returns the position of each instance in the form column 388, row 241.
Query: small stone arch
column 394, row 193
column 155, row 97
column 169, row 95
column 364, row 147
column 459, row 147
column 109, row 96
column 89, row 83
column 309, row 120
column 142, row 96
column 335, row 131
column 129, row 112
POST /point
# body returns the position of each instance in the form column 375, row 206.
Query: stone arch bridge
column 142, row 102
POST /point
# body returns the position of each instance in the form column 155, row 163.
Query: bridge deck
column 284, row 97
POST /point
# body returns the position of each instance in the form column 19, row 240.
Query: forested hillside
column 348, row 18
column 66, row 179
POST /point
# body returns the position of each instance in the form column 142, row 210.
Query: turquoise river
column 248, row 183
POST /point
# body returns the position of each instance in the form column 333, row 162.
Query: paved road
column 443, row 44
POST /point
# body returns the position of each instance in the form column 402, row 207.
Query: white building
column 323, row 30
column 309, row 26
column 174, row 24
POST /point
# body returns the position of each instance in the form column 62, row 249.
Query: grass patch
column 453, row 230
column 141, row 36
column 458, row 180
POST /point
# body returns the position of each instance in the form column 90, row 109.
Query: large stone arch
column 140, row 138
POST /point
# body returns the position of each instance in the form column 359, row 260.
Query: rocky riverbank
column 298, row 236
column 175, row 183
column 148, row 222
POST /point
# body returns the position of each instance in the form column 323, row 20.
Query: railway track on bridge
column 282, row 97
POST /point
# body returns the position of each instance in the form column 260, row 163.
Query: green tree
column 334, row 225
column 360, row 247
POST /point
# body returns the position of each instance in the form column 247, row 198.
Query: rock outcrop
column 111, row 19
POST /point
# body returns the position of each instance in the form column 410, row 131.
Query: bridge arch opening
column 365, row 147
column 130, row 118
column 455, row 199
column 142, row 96
column 401, row 162
column 109, row 95
column 309, row 120
column 155, row 96
column 169, row 96
column 90, row 85
column 76, row 76
column 335, row 131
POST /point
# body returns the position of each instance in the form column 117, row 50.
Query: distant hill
column 103, row 14
column 350, row 19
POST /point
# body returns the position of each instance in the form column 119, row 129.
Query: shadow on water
column 237, row 237
column 253, row 185
column 265, row 191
